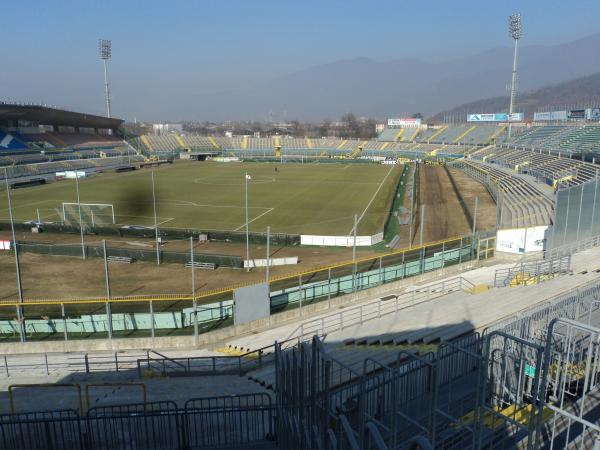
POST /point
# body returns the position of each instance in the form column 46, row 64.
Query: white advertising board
column 404, row 122
column 336, row 241
column 550, row 115
column 71, row 174
column 521, row 240
column 272, row 262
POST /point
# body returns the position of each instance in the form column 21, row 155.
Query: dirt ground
column 56, row 277
column 444, row 215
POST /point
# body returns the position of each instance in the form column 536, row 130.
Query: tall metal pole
column 108, row 295
column 14, row 239
column 247, row 227
column 106, row 93
column 475, row 215
column 515, row 28
column 105, row 50
column 80, row 216
column 422, row 224
column 268, row 254
column 106, row 273
column 354, row 253
column 194, row 304
column 155, row 220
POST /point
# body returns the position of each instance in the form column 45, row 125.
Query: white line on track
column 257, row 217
column 372, row 198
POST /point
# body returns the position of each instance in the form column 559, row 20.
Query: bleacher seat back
column 9, row 142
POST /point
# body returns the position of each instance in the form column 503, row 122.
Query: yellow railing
column 415, row 134
column 214, row 292
column 462, row 136
column 437, row 133
column 497, row 133
column 180, row 141
column 213, row 142
column 146, row 142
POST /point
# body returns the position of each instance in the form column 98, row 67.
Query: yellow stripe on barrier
column 230, row 288
column 180, row 141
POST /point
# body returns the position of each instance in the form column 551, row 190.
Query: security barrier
column 150, row 316
column 96, row 251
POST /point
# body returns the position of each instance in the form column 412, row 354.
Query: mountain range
column 387, row 89
column 578, row 93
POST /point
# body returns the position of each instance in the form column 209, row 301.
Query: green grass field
column 298, row 198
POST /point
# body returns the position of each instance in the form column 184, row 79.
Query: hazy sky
column 166, row 49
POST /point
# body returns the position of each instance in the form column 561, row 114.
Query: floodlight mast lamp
column 515, row 28
column 105, row 50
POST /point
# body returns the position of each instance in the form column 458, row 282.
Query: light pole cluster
column 515, row 29
column 105, row 51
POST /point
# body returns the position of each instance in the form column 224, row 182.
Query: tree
column 351, row 126
column 324, row 128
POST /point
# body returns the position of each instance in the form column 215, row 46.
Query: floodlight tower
column 105, row 50
column 515, row 28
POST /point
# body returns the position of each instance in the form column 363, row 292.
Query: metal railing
column 532, row 272
column 386, row 305
column 209, row 365
column 47, row 363
column 574, row 247
column 223, row 422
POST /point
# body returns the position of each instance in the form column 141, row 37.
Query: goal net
column 92, row 214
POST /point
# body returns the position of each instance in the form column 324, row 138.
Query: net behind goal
column 92, row 214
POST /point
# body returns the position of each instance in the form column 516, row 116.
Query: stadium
column 434, row 287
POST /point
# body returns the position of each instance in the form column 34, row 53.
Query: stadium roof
column 44, row 115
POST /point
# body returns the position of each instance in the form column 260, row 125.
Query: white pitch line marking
column 164, row 221
column 372, row 199
column 257, row 217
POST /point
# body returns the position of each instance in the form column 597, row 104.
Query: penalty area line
column 372, row 199
column 257, row 217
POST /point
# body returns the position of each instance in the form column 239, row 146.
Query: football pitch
column 290, row 198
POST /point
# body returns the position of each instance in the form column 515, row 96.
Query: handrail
column 166, row 357
column 368, row 311
column 237, row 364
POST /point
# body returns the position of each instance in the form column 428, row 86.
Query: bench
column 120, row 259
column 201, row 265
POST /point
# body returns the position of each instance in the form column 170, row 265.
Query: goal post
column 92, row 214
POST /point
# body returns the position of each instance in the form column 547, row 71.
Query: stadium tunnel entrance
column 202, row 156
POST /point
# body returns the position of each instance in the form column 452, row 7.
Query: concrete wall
column 224, row 334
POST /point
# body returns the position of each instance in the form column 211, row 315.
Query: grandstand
column 38, row 141
column 522, row 203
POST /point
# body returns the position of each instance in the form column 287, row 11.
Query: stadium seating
column 522, row 203
column 547, row 167
column 565, row 139
column 50, row 168
column 196, row 141
column 10, row 142
column 449, row 134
